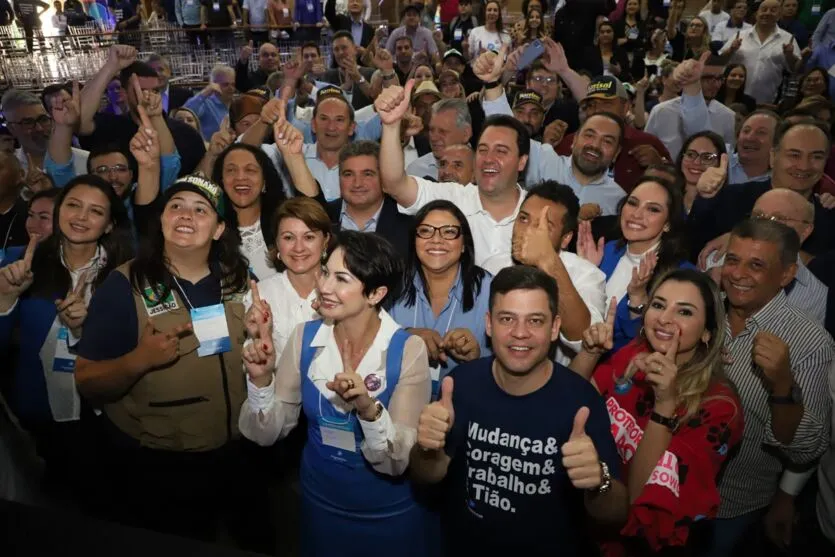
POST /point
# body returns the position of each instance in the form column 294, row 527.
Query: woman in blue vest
column 446, row 295
column 44, row 293
column 362, row 382
column 652, row 224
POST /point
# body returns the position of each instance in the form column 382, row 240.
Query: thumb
column 723, row 163
column 407, row 90
column 446, row 393
column 703, row 58
column 580, row 419
column 542, row 224
column 149, row 329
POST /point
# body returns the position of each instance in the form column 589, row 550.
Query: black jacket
column 342, row 22
column 246, row 80
column 393, row 225
column 359, row 99
column 177, row 97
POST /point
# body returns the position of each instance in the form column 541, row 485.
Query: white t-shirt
column 482, row 39
column 714, row 20
column 255, row 249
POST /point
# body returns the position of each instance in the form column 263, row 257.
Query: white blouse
column 270, row 413
column 619, row 281
column 255, row 249
column 482, row 39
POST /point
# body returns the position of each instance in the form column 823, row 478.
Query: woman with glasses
column 733, row 88
column 693, row 42
column 44, row 294
column 814, row 82
column 446, row 294
column 699, row 152
column 362, row 382
column 675, row 416
column 652, row 224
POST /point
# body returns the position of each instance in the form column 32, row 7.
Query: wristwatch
column 795, row 396
column 605, row 480
column 669, row 423
column 635, row 309
column 379, row 413
column 492, row 84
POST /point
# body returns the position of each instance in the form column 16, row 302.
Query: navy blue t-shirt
column 507, row 488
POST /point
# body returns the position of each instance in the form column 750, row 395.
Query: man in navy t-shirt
column 524, row 444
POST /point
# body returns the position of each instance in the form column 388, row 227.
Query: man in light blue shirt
column 212, row 103
column 752, row 160
column 187, row 12
column 825, row 31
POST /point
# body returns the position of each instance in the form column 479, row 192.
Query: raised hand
column 158, row 348
column 461, row 345
column 393, row 102
column 690, row 71
column 718, row 245
column 211, row 89
column 661, row 370
column 586, row 247
column 646, row 155
column 827, row 200
column 533, row 246
column 246, row 51
column 641, row 275
column 16, row 277
column 643, row 84
column 554, row 57
column 788, row 49
column 413, row 124
column 554, row 132
column 434, row 343
column 579, row 456
column 350, row 386
column 259, row 361
column 489, row 65
column 293, row 71
column 288, row 138
column 222, row 139
column 383, row 60
column 589, row 211
column 121, row 56
column 713, row 178
column 436, row 419
column 72, row 310
column 259, row 316
column 599, row 338
column 737, row 43
column 67, row 112
column 144, row 146
column 771, row 354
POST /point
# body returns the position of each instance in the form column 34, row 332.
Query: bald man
column 268, row 62
column 456, row 164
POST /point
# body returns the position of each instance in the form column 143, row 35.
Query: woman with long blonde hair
column 675, row 417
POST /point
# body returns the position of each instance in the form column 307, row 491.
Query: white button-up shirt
column 764, row 61
column 427, row 165
column 725, row 33
column 328, row 178
column 714, row 20
column 675, row 120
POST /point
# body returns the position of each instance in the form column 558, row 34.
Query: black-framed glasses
column 782, row 219
column 447, row 232
column 29, row 123
column 104, row 169
column 709, row 159
column 714, row 78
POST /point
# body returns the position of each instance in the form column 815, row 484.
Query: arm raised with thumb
column 429, row 461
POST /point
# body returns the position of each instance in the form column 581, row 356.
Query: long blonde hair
column 705, row 36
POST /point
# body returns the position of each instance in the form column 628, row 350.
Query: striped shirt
column 751, row 477
column 808, row 294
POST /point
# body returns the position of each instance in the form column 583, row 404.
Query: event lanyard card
column 338, row 435
column 632, row 34
column 216, row 6
column 63, row 361
column 816, row 7
column 211, row 330
column 310, row 7
column 458, row 34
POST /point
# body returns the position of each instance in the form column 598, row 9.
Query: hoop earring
column 264, row 188
column 324, row 257
column 641, row 333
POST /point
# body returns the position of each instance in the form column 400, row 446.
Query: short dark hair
column 465, row 2
column 342, row 35
column 786, row 127
column 525, row 277
column 773, row 232
column 614, row 118
column 311, row 44
column 101, row 149
column 140, row 69
column 560, row 194
column 53, row 89
column 359, row 149
column 716, row 139
column 404, row 38
column 51, row 193
column 373, row 260
column 762, row 112
column 523, row 138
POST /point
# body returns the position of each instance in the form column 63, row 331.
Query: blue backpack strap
column 308, row 351
column 394, row 356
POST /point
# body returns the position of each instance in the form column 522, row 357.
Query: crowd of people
column 557, row 285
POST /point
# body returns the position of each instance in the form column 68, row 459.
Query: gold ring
column 350, row 384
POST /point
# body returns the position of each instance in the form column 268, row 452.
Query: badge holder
column 337, row 435
column 816, row 7
column 209, row 326
column 64, row 360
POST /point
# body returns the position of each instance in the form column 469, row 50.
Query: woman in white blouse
column 489, row 36
column 362, row 382
column 301, row 232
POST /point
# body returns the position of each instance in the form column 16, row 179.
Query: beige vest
column 191, row 404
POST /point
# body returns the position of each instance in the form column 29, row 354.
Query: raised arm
column 290, row 143
column 391, row 105
column 119, row 58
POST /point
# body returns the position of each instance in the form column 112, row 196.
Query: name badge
column 63, row 361
column 286, row 12
column 154, row 306
column 211, row 330
column 816, row 8
column 339, row 438
column 310, row 6
column 632, row 34
column 458, row 34
column 435, row 374
column 216, row 6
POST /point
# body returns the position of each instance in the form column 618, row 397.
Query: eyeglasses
column 448, row 231
column 118, row 168
column 546, row 79
column 704, row 158
column 29, row 123
column 759, row 215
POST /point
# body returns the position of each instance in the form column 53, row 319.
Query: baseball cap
column 197, row 184
column 329, row 91
column 427, row 87
column 250, row 102
column 528, row 97
column 606, row 87
column 453, row 52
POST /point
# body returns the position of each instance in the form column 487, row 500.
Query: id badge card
column 211, row 330
column 216, row 6
column 63, row 361
column 435, row 374
column 310, row 7
column 816, row 8
column 458, row 34
column 338, row 439
column 286, row 12
column 632, row 34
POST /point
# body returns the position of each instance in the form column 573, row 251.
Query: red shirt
column 627, row 169
column 682, row 487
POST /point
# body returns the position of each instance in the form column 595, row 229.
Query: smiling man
column 752, row 160
column 449, row 124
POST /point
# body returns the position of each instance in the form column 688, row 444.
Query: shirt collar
column 375, row 218
column 456, row 291
column 388, row 327
column 98, row 260
column 479, row 208
column 770, row 312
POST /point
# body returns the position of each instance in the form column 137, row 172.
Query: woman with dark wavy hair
column 252, row 190
column 44, row 293
column 652, row 224
column 446, row 294
column 699, row 152
column 161, row 356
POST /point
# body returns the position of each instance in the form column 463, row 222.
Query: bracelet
column 635, row 309
column 492, row 84
column 389, row 76
column 669, row 423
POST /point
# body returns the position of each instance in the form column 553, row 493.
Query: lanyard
column 448, row 323
column 8, row 232
column 183, row 292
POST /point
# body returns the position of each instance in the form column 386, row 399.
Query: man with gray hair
column 212, row 103
column 29, row 123
column 173, row 97
column 449, row 124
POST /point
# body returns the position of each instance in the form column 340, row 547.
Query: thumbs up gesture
column 713, row 178
column 72, row 310
column 532, row 244
column 579, row 457
column 489, row 65
column 393, row 102
column 736, row 43
column 436, row 419
column 16, row 277
column 246, row 52
column 788, row 49
column 599, row 338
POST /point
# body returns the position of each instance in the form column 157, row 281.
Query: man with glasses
column 696, row 109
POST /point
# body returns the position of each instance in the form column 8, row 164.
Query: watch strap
column 492, row 84
column 636, row 309
column 670, row 423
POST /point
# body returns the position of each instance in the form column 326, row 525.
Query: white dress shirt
column 675, row 120
column 427, row 165
column 590, row 283
column 271, row 412
column 724, row 33
column 410, row 153
column 714, row 20
column 764, row 61
column 328, row 178
column 491, row 238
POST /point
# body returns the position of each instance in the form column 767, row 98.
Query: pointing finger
column 672, row 349
column 256, row 297
column 30, row 251
column 82, row 284
column 613, row 309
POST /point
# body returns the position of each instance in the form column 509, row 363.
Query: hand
column 579, row 456
column 147, row 101
column 637, row 287
column 259, row 361
column 489, row 66
column 67, row 112
column 288, row 139
column 599, row 338
column 318, row 69
column 144, row 146
column 614, row 69
column 273, row 111
column 718, row 245
column 806, row 53
column 661, row 370
column 462, row 345
column 643, row 84
column 437, row 35
column 646, row 155
column 513, row 59
column 589, row 211
column 393, row 102
column 157, row 348
column 533, row 246
column 320, row 24
column 350, row 67
column 554, row 132
column 16, row 277
column 780, row 519
column 690, row 71
column 737, row 43
column 383, row 61
column 771, row 355
column 827, row 200
column 72, row 310
column 222, row 139
column 360, row 51
column 434, row 344
column 788, row 49
column 350, row 386
column 120, row 57
column 586, row 248
column 713, row 178
column 554, row 57
column 293, row 70
column 436, row 419
column 211, row 89
column 413, row 124
column 259, row 316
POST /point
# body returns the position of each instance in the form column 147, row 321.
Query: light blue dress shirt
column 348, row 223
column 210, row 110
column 328, row 178
column 737, row 175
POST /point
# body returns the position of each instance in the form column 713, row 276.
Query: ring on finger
column 350, row 384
